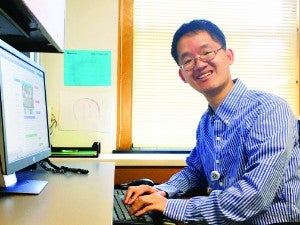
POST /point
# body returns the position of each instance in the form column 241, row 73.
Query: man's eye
column 206, row 53
column 187, row 61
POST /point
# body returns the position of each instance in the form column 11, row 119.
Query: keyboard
column 121, row 215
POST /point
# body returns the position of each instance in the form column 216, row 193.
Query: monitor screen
column 24, row 133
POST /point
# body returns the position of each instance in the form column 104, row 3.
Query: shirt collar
column 229, row 105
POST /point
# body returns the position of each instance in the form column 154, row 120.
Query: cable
column 53, row 124
column 62, row 170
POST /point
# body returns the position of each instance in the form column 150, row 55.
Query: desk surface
column 67, row 199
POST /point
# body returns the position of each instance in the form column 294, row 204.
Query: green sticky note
column 87, row 68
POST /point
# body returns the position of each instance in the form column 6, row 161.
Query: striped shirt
column 251, row 144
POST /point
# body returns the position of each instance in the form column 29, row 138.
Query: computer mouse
column 138, row 182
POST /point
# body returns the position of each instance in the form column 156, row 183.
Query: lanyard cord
column 215, row 174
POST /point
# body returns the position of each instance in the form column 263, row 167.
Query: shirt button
column 227, row 122
column 218, row 138
column 217, row 161
column 221, row 184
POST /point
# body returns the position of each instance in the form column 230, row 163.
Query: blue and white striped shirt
column 251, row 140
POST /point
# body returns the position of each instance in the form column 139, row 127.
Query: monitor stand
column 10, row 184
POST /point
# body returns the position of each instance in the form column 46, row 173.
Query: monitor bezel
column 12, row 167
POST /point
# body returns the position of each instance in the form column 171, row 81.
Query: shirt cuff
column 175, row 209
column 170, row 190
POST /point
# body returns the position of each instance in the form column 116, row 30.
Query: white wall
column 90, row 25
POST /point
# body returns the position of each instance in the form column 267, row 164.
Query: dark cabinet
column 33, row 25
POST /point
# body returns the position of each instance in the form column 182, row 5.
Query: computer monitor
column 24, row 133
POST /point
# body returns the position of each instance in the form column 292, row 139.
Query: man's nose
column 199, row 63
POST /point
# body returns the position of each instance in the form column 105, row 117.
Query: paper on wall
column 85, row 112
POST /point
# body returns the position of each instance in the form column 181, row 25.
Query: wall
column 90, row 25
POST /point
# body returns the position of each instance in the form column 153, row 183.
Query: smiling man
column 247, row 151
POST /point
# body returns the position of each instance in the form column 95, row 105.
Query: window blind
column 262, row 34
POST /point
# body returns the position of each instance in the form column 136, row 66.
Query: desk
column 68, row 199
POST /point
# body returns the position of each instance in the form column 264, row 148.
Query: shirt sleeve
column 188, row 178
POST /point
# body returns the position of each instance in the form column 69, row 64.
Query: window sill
column 139, row 159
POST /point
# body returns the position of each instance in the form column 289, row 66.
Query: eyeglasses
column 189, row 64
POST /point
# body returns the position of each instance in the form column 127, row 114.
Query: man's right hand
column 133, row 192
column 145, row 198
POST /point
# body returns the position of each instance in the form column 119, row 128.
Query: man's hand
column 144, row 198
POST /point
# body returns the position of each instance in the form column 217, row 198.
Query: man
column 247, row 152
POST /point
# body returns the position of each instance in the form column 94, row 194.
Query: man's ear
column 230, row 55
column 181, row 75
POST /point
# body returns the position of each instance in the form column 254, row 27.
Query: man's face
column 211, row 77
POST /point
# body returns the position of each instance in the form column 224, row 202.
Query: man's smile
column 202, row 76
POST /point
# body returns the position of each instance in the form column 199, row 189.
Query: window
column 156, row 109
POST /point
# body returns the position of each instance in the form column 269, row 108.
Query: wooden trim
column 124, row 83
column 159, row 174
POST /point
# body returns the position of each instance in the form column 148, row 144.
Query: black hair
column 194, row 26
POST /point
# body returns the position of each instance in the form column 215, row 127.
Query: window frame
column 125, row 74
